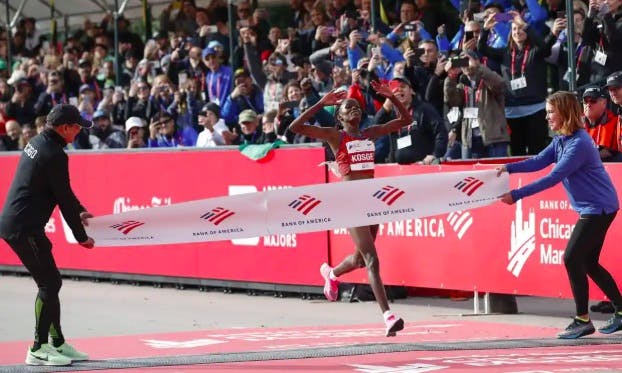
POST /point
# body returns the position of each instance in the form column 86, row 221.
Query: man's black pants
column 581, row 260
column 35, row 252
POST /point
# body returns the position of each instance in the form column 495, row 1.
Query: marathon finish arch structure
column 514, row 249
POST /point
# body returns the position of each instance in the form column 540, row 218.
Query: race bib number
column 361, row 154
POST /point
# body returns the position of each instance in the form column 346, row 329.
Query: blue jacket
column 578, row 167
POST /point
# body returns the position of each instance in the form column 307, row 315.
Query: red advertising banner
column 499, row 248
column 115, row 182
column 503, row 249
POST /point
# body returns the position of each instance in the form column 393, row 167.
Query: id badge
column 404, row 142
column 475, row 123
column 453, row 114
column 600, row 58
column 518, row 83
column 471, row 112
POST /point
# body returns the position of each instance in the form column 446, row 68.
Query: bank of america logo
column 389, row 194
column 522, row 240
column 460, row 221
column 127, row 226
column 305, row 203
column 217, row 215
column 469, row 185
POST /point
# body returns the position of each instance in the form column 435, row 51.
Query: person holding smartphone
column 523, row 67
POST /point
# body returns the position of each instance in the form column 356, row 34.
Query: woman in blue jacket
column 591, row 194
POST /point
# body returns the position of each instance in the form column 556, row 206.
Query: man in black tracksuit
column 40, row 183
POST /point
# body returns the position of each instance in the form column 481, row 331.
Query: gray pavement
column 103, row 309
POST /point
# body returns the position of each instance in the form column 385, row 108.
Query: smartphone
column 503, row 17
column 561, row 14
column 479, row 17
column 468, row 35
column 459, row 62
column 243, row 23
column 73, row 101
column 182, row 78
column 375, row 50
column 212, row 29
column 419, row 52
column 410, row 27
column 291, row 104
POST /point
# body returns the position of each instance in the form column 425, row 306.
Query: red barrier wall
column 478, row 249
column 114, row 182
column 500, row 248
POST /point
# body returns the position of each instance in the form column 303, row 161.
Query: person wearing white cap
column 135, row 132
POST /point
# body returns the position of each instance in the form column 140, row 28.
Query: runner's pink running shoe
column 394, row 324
column 331, row 287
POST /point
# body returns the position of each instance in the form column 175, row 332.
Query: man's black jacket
column 40, row 183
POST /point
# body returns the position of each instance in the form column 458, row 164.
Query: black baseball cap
column 210, row 106
column 594, row 92
column 67, row 114
column 614, row 80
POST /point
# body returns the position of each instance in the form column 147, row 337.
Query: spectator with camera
column 603, row 30
column 163, row 132
column 54, row 94
column 139, row 103
column 523, row 68
column 87, row 102
column 135, row 133
column 584, row 52
column 245, row 95
column 21, row 107
column 215, row 132
column 186, row 105
column 85, row 70
column 479, row 93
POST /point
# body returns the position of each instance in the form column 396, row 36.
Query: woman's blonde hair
column 569, row 109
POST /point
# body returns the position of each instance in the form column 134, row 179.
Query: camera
column 410, row 27
column 459, row 62
column 182, row 49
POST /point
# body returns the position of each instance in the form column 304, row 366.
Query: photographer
column 135, row 132
column 162, row 132
column 139, row 103
column 479, row 92
column 185, row 108
column 245, row 95
column 53, row 95
column 22, row 104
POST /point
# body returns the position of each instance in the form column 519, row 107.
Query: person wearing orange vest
column 601, row 123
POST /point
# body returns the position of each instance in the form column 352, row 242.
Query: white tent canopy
column 74, row 12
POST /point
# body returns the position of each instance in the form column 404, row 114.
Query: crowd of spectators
column 474, row 79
